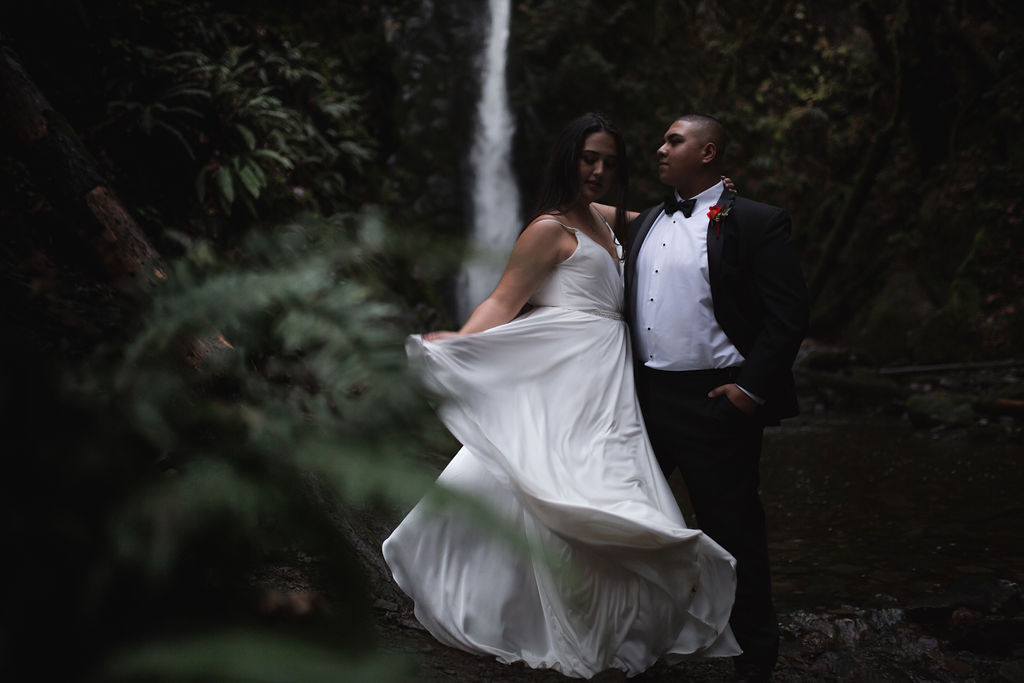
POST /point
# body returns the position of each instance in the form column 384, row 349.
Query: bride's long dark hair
column 561, row 186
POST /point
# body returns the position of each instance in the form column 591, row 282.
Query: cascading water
column 495, row 195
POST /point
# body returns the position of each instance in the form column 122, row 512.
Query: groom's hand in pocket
column 736, row 396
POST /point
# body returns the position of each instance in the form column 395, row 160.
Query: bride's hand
column 439, row 335
column 729, row 184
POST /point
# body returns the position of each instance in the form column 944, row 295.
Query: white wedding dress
column 554, row 446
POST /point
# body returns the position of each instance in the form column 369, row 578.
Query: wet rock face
column 886, row 326
column 855, row 644
column 981, row 615
column 935, row 639
column 1012, row 671
column 844, row 629
column 993, row 636
column 980, row 594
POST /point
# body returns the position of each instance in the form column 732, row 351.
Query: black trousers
column 717, row 448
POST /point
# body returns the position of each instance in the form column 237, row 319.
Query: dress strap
column 552, row 220
column 615, row 240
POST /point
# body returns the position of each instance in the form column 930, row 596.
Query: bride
column 604, row 574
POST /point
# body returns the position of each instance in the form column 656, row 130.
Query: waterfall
column 495, row 195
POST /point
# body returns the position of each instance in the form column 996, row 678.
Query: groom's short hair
column 711, row 129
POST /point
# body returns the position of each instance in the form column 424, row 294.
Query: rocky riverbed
column 947, row 641
column 896, row 552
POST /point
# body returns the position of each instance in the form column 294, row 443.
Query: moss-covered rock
column 944, row 336
column 926, row 410
column 885, row 327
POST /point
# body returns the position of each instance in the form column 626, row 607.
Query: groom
column 717, row 308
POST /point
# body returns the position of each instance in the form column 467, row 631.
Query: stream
column 896, row 556
column 864, row 510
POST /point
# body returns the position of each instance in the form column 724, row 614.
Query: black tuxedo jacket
column 758, row 293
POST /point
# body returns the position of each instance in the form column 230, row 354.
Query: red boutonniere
column 716, row 214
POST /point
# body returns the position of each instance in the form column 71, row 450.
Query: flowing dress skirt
column 572, row 553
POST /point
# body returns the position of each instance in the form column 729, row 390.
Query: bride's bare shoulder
column 548, row 232
column 547, row 224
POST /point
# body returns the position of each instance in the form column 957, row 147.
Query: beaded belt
column 601, row 313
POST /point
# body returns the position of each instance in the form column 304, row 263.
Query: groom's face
column 681, row 155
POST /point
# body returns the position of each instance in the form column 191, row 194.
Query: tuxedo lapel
column 649, row 217
column 646, row 221
column 716, row 237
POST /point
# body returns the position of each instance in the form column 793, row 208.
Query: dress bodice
column 588, row 280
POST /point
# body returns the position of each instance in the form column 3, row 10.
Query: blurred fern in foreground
column 143, row 495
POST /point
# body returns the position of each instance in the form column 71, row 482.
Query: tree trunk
column 843, row 229
column 61, row 167
column 878, row 153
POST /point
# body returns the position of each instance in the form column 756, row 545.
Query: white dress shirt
column 675, row 317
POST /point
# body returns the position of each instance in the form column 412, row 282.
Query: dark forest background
column 220, row 219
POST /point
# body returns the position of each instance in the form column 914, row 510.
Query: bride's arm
column 542, row 246
column 608, row 213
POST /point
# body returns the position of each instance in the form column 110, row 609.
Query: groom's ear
column 710, row 152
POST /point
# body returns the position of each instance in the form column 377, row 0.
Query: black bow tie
column 686, row 206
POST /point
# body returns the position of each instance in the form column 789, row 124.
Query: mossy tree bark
column 64, row 171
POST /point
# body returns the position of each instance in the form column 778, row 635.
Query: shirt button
column 648, row 329
column 652, row 298
column 655, row 270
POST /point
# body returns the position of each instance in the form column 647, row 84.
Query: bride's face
column 598, row 161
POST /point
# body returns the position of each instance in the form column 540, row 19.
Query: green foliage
column 253, row 657
column 807, row 89
column 226, row 112
column 811, row 92
column 191, row 454
column 780, row 75
column 301, row 363
column 429, row 85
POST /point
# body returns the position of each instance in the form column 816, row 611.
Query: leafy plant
column 191, row 454
column 263, row 124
